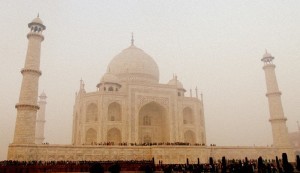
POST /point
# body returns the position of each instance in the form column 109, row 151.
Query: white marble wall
column 167, row 154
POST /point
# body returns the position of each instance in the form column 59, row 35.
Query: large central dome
column 134, row 65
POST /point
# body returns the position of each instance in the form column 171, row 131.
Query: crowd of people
column 143, row 144
column 149, row 166
column 9, row 166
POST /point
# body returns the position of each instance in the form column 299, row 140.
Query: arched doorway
column 91, row 136
column 188, row 117
column 153, row 124
column 91, row 112
column 114, row 112
column 189, row 137
column 114, row 136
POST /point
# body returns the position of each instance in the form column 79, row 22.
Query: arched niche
column 114, row 136
column 188, row 116
column 147, row 139
column 153, row 119
column 114, row 112
column 90, row 136
column 189, row 137
column 91, row 113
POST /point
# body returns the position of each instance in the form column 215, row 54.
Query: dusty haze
column 214, row 45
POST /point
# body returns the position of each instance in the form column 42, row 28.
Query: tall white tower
column 27, row 106
column 277, row 119
column 40, row 120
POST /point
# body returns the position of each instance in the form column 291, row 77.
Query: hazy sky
column 214, row 45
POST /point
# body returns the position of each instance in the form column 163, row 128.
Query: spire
column 81, row 84
column 132, row 39
column 38, row 15
column 201, row 97
column 196, row 89
column 43, row 95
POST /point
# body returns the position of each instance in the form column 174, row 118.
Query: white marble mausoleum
column 131, row 116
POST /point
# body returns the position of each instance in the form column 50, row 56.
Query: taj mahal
column 131, row 116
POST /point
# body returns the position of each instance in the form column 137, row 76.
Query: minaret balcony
column 35, row 34
column 27, row 106
column 37, row 72
column 277, row 119
column 274, row 93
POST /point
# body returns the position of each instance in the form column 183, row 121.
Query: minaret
column 277, row 119
column 40, row 120
column 27, row 106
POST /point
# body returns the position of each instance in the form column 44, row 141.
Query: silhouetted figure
column 298, row 163
column 211, row 164
column 115, row 168
column 269, row 169
column 223, row 166
column 287, row 167
column 148, row 169
column 168, row 169
column 261, row 166
column 96, row 168
column 278, row 165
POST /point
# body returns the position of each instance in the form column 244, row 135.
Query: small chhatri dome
column 267, row 54
column 175, row 81
column 43, row 96
column 135, row 65
column 109, row 78
column 267, row 57
column 37, row 21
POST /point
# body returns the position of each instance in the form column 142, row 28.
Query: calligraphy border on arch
column 143, row 100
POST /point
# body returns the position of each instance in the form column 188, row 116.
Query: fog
column 215, row 46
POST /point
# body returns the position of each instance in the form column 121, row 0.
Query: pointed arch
column 188, row 116
column 189, row 137
column 153, row 119
column 147, row 139
column 91, row 136
column 114, row 112
column 114, row 135
column 91, row 113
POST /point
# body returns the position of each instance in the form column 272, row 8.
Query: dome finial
column 132, row 40
column 38, row 14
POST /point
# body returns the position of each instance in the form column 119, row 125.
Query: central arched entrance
column 153, row 124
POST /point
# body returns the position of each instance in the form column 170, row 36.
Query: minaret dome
column 36, row 25
column 267, row 58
